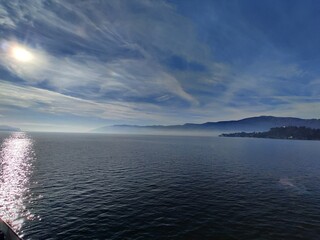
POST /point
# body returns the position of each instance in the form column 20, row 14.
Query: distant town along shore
column 290, row 132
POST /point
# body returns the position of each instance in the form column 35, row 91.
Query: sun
column 21, row 54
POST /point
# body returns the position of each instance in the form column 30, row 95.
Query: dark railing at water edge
column 6, row 232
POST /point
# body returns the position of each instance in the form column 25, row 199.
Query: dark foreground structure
column 301, row 133
column 6, row 232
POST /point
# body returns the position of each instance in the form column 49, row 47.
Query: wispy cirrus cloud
column 94, row 47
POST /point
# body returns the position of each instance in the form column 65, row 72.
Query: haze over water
column 163, row 187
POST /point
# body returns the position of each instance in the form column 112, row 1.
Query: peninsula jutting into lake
column 299, row 133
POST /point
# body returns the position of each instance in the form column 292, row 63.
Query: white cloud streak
column 55, row 103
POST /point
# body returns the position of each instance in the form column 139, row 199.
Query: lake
column 96, row 186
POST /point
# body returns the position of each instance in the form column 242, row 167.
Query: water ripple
column 147, row 187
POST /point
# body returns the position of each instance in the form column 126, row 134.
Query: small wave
column 291, row 184
column 286, row 182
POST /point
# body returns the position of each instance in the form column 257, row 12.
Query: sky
column 80, row 65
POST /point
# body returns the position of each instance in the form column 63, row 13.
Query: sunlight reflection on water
column 16, row 160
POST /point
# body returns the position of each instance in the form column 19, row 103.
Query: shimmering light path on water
column 16, row 159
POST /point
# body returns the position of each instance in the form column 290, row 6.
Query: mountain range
column 252, row 124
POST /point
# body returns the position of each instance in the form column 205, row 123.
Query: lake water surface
column 91, row 186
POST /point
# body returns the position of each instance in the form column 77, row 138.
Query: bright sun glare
column 21, row 54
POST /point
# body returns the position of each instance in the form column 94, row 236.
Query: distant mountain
column 9, row 129
column 261, row 123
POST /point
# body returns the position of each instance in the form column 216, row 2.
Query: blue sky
column 95, row 63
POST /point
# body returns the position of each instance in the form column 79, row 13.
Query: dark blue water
column 162, row 187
